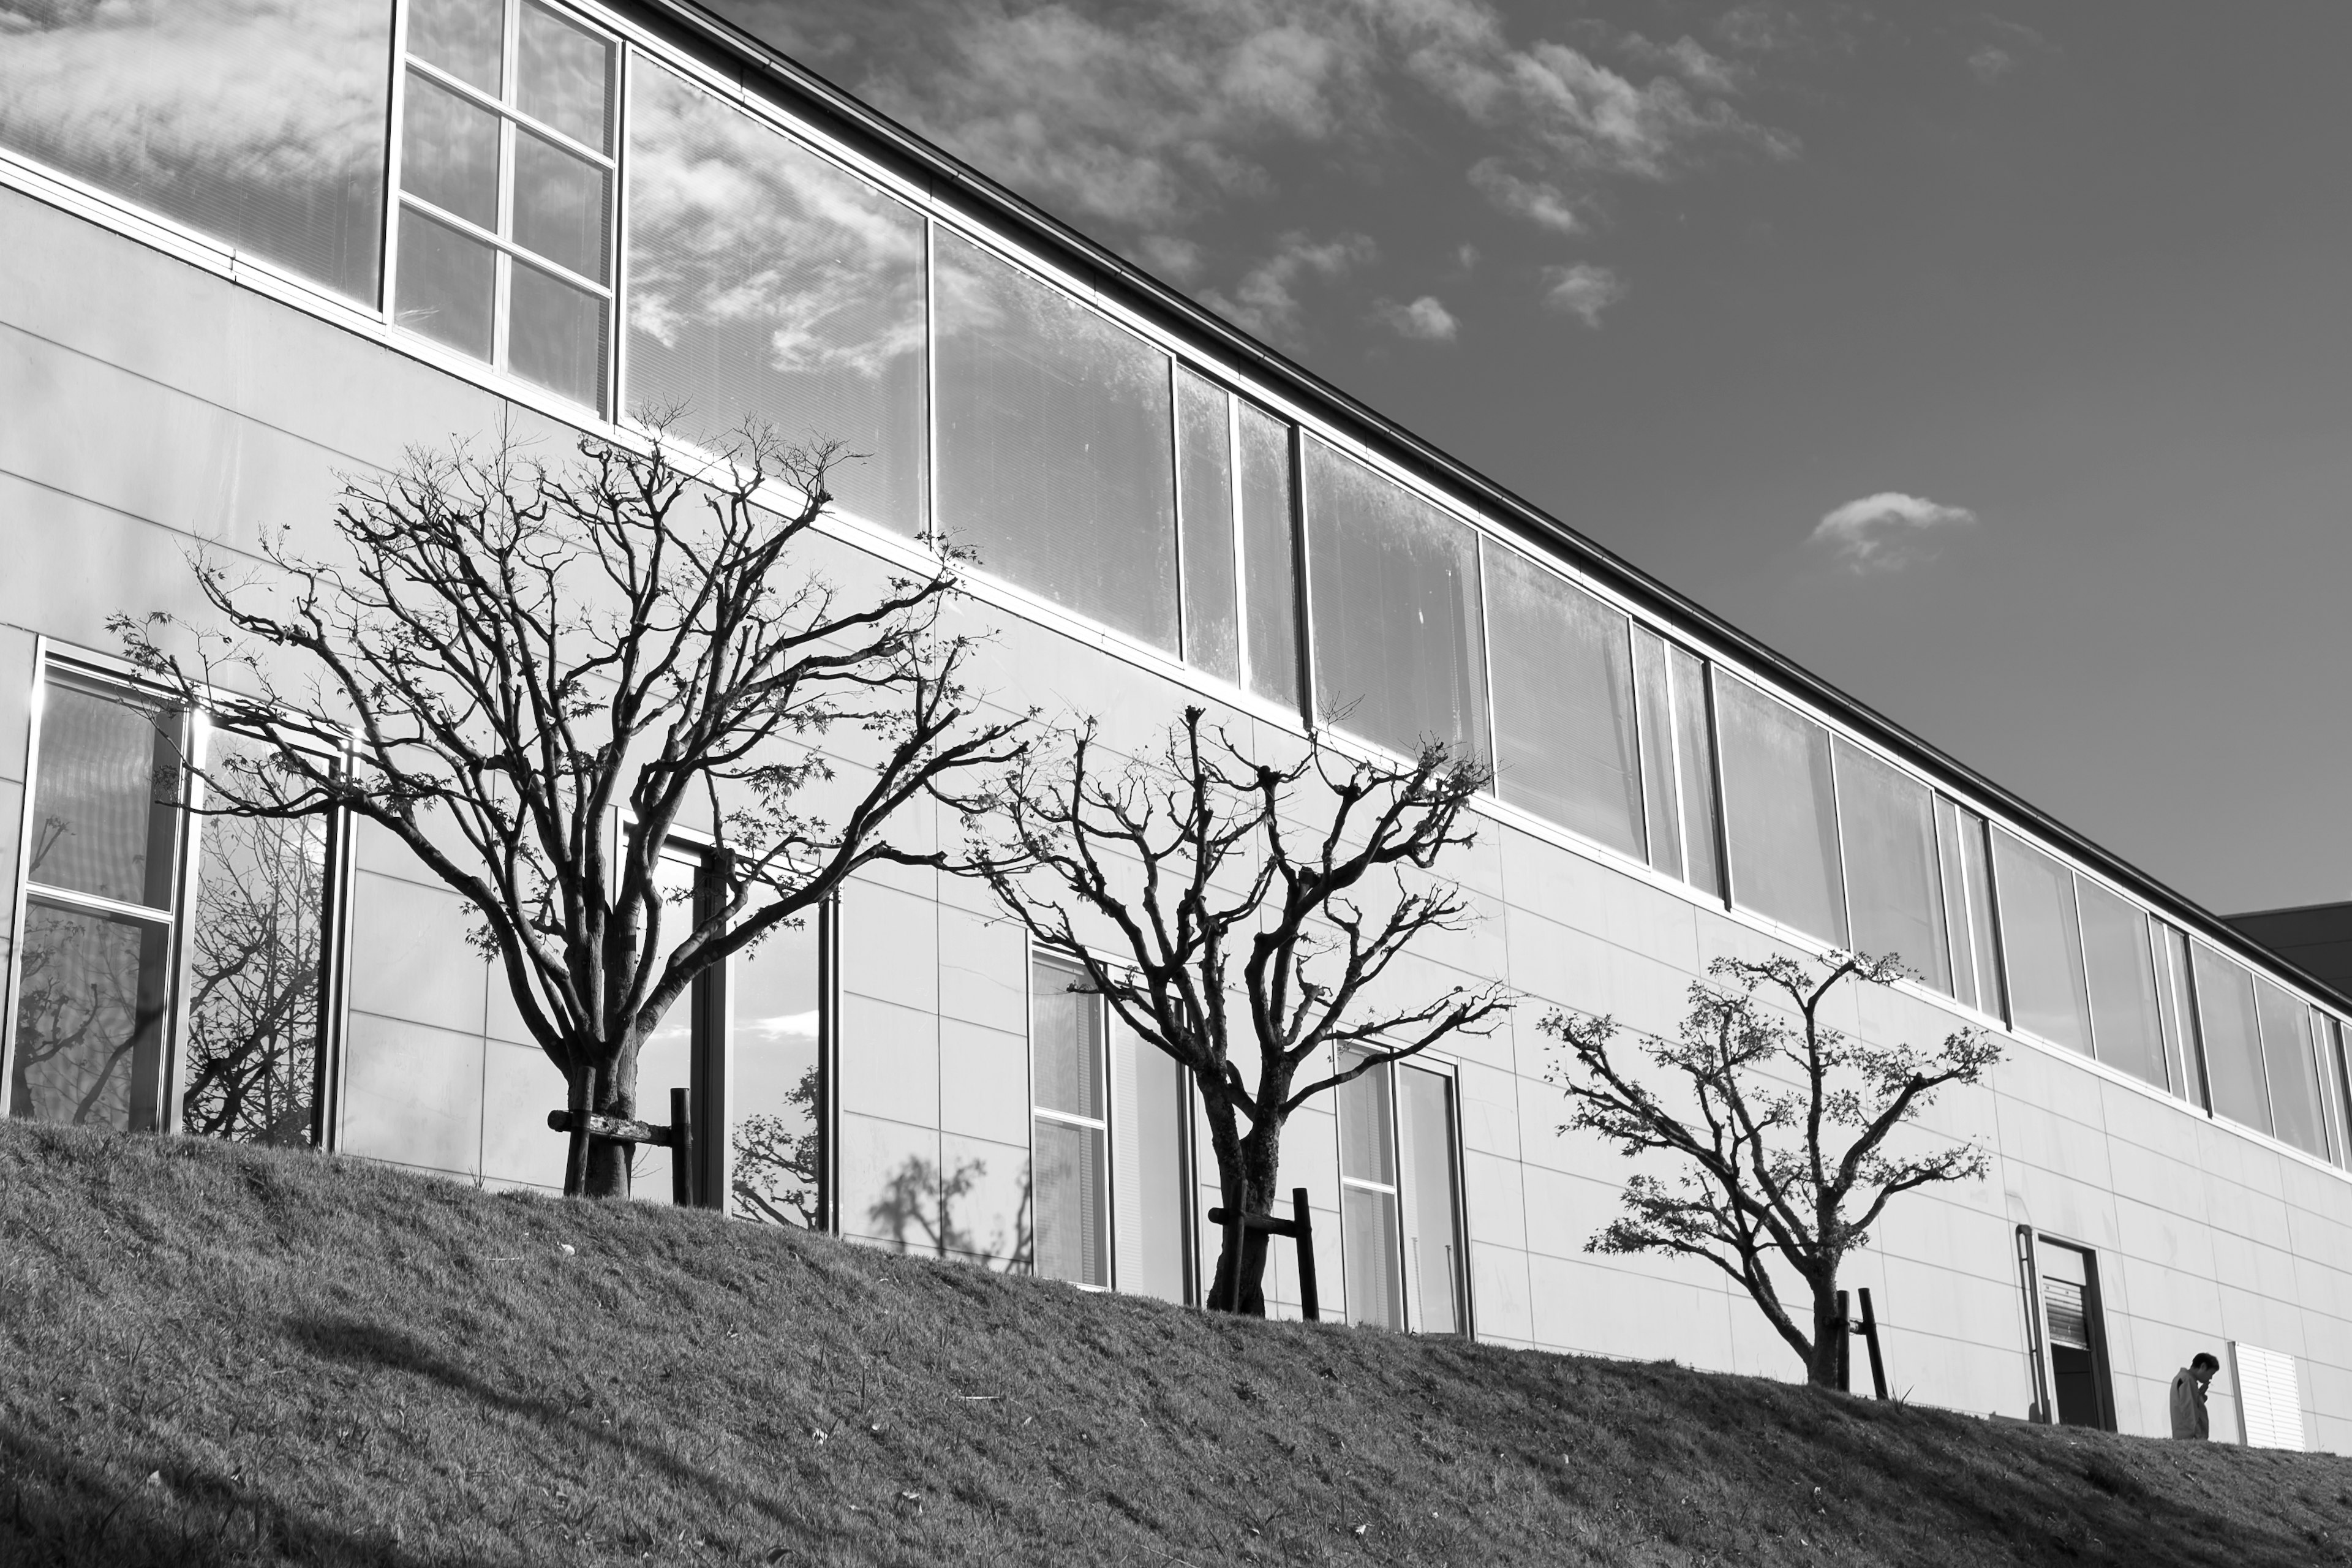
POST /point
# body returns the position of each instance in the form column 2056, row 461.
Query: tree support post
column 1299, row 1227
column 1844, row 1348
column 1868, row 1328
column 677, row 1138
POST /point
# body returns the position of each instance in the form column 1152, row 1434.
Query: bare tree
column 541, row 675
column 1769, row 1100
column 1230, row 896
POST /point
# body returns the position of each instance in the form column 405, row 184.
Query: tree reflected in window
column 253, row 1017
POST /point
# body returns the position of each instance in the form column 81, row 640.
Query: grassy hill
column 211, row 1355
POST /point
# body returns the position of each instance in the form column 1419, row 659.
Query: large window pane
column 1368, row 1220
column 2338, row 1072
column 1564, row 737
column 1204, row 443
column 1393, row 581
column 464, row 37
column 1661, row 783
column 1071, row 1232
column 1893, row 887
column 2225, row 1023
column 103, row 790
column 257, row 935
column 1952, row 873
column 1779, row 812
column 559, row 205
column 1270, row 556
column 91, row 994
column 2120, row 969
column 767, row 287
column 676, row 1055
column 1433, row 1232
column 776, row 1089
column 1070, row 1126
column 1057, row 460
column 1148, row 1148
column 1695, row 765
column 2294, row 1079
column 2043, row 941
column 1066, row 1031
column 258, row 122
column 2176, row 1008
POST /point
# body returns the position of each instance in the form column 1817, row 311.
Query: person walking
column 2188, row 1396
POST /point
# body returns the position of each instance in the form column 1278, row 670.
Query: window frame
column 101, row 675
column 512, row 121
column 1039, row 956
column 1408, row 1306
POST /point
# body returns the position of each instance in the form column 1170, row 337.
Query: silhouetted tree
column 515, row 656
column 1242, row 912
column 1781, row 1136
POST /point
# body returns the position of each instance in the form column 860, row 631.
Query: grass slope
column 210, row 1355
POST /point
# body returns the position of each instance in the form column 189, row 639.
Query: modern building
column 252, row 245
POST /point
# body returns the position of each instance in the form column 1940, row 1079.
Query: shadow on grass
column 357, row 1341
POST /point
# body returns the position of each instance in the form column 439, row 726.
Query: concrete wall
column 145, row 404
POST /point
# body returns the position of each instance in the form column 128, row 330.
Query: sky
column 1996, row 365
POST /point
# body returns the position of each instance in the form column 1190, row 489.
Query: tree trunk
column 1828, row 1335
column 1248, row 1169
column 609, row 1163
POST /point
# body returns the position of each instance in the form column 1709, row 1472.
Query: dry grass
column 210, row 1355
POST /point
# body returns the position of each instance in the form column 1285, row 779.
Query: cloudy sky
column 1995, row 364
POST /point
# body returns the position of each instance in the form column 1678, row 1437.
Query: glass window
column 1269, row 554
column 678, row 1054
column 1368, row 1200
column 1394, row 585
column 2176, row 1008
column 776, row 1080
column 94, row 984
column 769, row 287
column 1435, row 1271
column 2338, row 1083
column 1400, row 1189
column 1071, row 1127
column 2294, row 1077
column 1205, row 469
column 1961, row 862
column 2041, row 938
column 256, row 967
column 506, row 178
column 1779, row 812
column 2227, row 1027
column 1149, row 1178
column 1056, row 457
column 1695, row 765
column 1661, row 781
column 1893, row 886
column 1564, row 723
column 2119, row 967
column 259, row 123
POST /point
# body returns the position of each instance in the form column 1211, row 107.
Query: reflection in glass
column 1433, row 1235
column 2042, row 941
column 556, row 336
column 447, row 280
column 104, row 785
column 464, row 37
column 1695, row 761
column 1399, row 655
column 91, row 994
column 1887, row 825
column 2226, row 1024
column 768, row 285
column 1367, row 1197
column 257, row 123
column 449, row 153
column 2286, row 1056
column 257, row 932
column 1071, row 1179
column 1779, row 812
column 1269, row 555
column 1148, row 1149
column 559, row 206
column 923, row 1206
column 565, row 77
column 673, row 1055
column 1055, row 461
column 1069, row 1128
column 2120, row 968
column 1564, row 739
column 2177, row 1013
column 775, row 1081
column 1662, row 825
column 1204, row 465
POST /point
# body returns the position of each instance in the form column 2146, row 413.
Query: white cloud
column 1688, row 58
column 1887, row 531
column 1583, row 291
column 1426, row 320
column 1170, row 255
column 1536, row 201
column 1265, row 301
column 1991, row 63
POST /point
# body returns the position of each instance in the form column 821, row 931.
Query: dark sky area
column 1997, row 365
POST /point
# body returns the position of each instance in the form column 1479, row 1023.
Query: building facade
column 253, row 246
